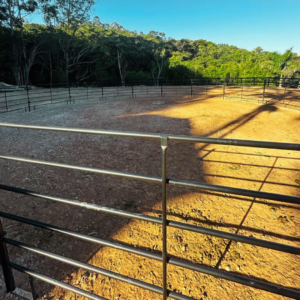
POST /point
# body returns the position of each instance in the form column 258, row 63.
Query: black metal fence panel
column 264, row 90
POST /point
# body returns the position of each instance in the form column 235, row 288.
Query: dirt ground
column 257, row 169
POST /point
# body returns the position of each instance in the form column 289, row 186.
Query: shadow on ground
column 257, row 169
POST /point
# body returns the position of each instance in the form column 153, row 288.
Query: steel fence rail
column 81, row 236
column 262, row 285
column 85, row 205
column 171, row 181
column 263, row 88
column 170, row 223
column 110, row 274
column 85, row 169
column 171, row 137
column 164, row 222
column 254, row 283
column 55, row 282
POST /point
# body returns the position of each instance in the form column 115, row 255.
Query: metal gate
column 163, row 181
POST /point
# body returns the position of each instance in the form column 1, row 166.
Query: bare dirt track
column 258, row 169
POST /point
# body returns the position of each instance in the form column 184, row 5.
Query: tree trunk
column 122, row 68
column 280, row 81
column 67, row 65
column 50, row 68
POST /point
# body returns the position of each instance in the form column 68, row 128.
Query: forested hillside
column 70, row 47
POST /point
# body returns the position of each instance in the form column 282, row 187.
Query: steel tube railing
column 178, row 138
column 234, row 191
column 232, row 88
column 75, row 263
column 55, row 282
column 164, row 148
column 254, row 283
column 234, row 142
column 85, row 169
column 81, row 236
column 170, row 223
column 163, row 257
column 173, row 261
column 176, row 182
column 85, row 205
column 85, row 131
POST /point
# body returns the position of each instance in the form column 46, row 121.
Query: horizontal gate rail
column 75, row 263
column 173, row 261
column 85, row 169
column 81, row 236
column 177, row 182
column 174, row 224
column 55, row 282
column 171, row 137
column 162, row 256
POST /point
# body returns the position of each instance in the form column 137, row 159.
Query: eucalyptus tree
column 66, row 18
column 13, row 16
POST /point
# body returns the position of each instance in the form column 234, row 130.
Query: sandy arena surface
column 250, row 168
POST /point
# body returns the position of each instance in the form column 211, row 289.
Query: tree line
column 70, row 47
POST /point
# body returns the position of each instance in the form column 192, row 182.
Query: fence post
column 191, row 87
column 132, row 94
column 5, row 99
column 164, row 146
column 7, row 271
column 33, row 291
column 87, row 93
column 102, row 91
column 264, row 90
column 161, row 89
column 242, row 88
column 28, row 99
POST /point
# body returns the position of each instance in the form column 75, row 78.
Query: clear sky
column 272, row 24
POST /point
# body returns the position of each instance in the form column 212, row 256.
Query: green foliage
column 80, row 50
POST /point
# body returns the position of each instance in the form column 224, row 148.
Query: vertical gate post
column 28, row 99
column 33, row 291
column 164, row 146
column 7, row 271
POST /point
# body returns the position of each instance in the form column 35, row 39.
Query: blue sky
column 272, row 24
